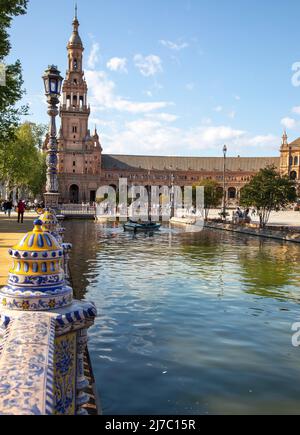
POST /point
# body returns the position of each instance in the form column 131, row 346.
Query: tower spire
column 285, row 138
column 75, row 39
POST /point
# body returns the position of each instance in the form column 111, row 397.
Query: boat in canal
column 141, row 227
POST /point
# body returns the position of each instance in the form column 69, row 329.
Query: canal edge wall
column 281, row 233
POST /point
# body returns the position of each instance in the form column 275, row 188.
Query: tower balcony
column 75, row 109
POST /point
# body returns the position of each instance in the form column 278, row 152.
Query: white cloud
column 237, row 98
column 263, row 140
column 166, row 117
column 296, row 110
column 289, row 123
column 149, row 94
column 94, row 55
column 232, row 114
column 176, row 46
column 211, row 135
column 117, row 64
column 154, row 135
column 218, row 109
column 103, row 96
column 206, row 121
column 190, row 86
column 148, row 65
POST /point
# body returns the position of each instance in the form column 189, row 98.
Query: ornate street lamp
column 224, row 212
column 53, row 83
column 172, row 196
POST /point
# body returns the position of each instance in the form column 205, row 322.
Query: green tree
column 12, row 92
column 22, row 164
column 212, row 195
column 268, row 191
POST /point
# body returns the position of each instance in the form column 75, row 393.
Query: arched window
column 293, row 175
column 296, row 161
column 75, row 64
column 232, row 193
column 74, row 194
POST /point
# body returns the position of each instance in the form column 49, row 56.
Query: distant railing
column 77, row 210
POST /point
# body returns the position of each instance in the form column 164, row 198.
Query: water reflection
column 271, row 270
column 190, row 323
column 85, row 237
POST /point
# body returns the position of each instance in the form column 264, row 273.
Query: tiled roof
column 296, row 143
column 186, row 164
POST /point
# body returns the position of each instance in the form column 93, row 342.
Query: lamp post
column 172, row 196
column 149, row 191
column 224, row 182
column 53, row 83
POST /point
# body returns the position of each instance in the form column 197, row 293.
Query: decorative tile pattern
column 36, row 280
column 26, row 366
column 65, row 375
column 36, row 301
column 81, row 311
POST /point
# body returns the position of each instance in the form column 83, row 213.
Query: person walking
column 21, row 211
column 9, row 207
column 5, row 207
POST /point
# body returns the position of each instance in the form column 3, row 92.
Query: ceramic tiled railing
column 43, row 331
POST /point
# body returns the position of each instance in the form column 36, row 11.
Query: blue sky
column 178, row 77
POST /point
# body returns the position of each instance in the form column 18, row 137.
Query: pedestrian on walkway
column 5, row 207
column 21, row 211
column 9, row 207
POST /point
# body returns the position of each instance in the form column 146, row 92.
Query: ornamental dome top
column 36, row 280
column 36, row 241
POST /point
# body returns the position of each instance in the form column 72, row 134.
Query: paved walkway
column 10, row 234
column 282, row 218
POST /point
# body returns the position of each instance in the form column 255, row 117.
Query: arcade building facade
column 83, row 167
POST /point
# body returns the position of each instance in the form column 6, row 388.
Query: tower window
column 74, row 163
column 74, row 129
column 75, row 64
column 296, row 161
column 75, row 81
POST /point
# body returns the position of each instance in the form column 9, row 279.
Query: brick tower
column 79, row 167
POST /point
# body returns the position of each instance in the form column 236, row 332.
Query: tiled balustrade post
column 82, row 383
column 41, row 354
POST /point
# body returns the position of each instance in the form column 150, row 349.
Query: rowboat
column 140, row 227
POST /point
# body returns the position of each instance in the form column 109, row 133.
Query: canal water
column 190, row 323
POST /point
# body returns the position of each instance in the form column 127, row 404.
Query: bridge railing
column 77, row 209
